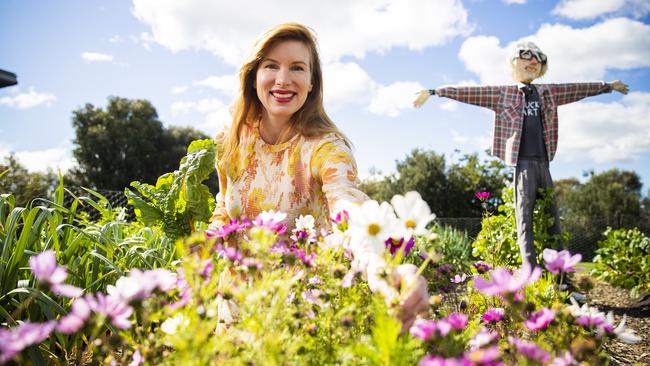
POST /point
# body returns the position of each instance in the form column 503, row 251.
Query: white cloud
column 483, row 56
column 346, row 83
column 208, row 115
column 227, row 84
column 389, row 100
column 343, row 27
column 510, row 2
column 96, row 57
column 57, row 158
column 472, row 143
column 605, row 132
column 575, row 54
column 202, row 106
column 28, row 100
column 586, row 9
column 449, row 105
column 179, row 89
column 589, row 9
column 115, row 39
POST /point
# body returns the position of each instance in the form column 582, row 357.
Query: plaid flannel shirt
column 507, row 102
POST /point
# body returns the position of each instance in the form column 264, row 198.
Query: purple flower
column 591, row 321
column 482, row 267
column 307, row 259
column 459, row 278
column 423, row 329
column 531, row 350
column 562, row 261
column 76, row 318
column 111, row 307
column 484, row 355
column 230, row 253
column 493, row 315
column 340, row 221
column 426, row 329
column 184, row 290
column 482, row 338
column 13, row 341
column 208, row 267
column 445, row 268
column 271, row 220
column 457, row 321
column 47, row 271
column 443, row 327
column 482, row 196
column 506, row 284
column 232, row 226
column 566, row 359
column 140, row 285
column 394, row 245
column 540, row 319
column 251, row 264
column 430, row 360
column 137, row 358
column 348, row 280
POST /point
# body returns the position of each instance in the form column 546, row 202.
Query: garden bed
column 608, row 298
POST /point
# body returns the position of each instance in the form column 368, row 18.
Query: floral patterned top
column 301, row 176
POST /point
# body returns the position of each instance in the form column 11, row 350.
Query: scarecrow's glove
column 619, row 86
column 423, row 96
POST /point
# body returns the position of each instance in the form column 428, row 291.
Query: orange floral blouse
column 301, row 176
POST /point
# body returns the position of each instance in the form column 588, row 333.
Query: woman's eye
column 298, row 68
column 271, row 66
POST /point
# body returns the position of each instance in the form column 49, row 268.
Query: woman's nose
column 282, row 77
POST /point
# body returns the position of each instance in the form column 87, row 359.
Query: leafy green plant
column 497, row 240
column 97, row 253
column 623, row 259
column 178, row 200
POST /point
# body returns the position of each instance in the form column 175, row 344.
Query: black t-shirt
column 532, row 137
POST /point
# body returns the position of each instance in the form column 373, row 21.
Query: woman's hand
column 414, row 294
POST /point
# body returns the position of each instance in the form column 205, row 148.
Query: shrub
column 623, row 260
column 497, row 240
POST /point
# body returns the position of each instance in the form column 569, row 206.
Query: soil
column 607, row 298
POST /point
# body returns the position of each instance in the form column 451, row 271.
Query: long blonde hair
column 310, row 120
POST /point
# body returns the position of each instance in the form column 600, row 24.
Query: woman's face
column 283, row 80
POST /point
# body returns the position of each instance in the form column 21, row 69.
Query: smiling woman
column 282, row 151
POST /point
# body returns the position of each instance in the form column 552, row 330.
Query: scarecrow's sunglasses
column 528, row 54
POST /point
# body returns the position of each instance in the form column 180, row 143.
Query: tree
column 607, row 196
column 449, row 191
column 611, row 198
column 25, row 186
column 126, row 142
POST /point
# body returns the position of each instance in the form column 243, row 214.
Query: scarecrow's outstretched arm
column 483, row 96
column 572, row 92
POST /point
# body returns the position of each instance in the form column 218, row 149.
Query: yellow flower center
column 410, row 224
column 373, row 229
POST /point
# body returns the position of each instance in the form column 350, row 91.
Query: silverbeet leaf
column 179, row 199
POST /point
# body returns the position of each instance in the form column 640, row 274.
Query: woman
column 282, row 151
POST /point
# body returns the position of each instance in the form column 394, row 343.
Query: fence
column 115, row 199
column 583, row 236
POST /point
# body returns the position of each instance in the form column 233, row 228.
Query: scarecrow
column 526, row 129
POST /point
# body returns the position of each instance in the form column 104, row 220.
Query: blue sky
column 183, row 56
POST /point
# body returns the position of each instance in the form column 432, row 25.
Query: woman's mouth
column 282, row 96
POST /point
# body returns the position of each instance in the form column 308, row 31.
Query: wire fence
column 583, row 236
column 116, row 199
